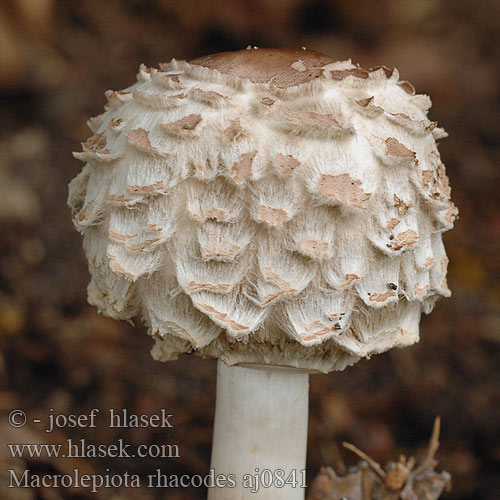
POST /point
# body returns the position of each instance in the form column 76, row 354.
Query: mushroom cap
column 267, row 207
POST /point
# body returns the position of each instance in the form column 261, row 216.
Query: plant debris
column 404, row 479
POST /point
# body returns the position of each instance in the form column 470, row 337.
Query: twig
column 434, row 442
column 374, row 465
column 429, row 460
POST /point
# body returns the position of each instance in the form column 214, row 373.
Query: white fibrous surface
column 298, row 227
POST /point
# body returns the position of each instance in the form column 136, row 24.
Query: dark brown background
column 56, row 60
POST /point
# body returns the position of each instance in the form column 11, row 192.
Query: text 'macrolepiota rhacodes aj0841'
column 272, row 208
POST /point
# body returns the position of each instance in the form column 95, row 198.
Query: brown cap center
column 282, row 67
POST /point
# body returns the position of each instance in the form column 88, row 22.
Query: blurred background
column 56, row 60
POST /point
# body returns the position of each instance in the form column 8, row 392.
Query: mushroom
column 277, row 210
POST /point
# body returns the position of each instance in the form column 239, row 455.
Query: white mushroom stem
column 260, row 432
